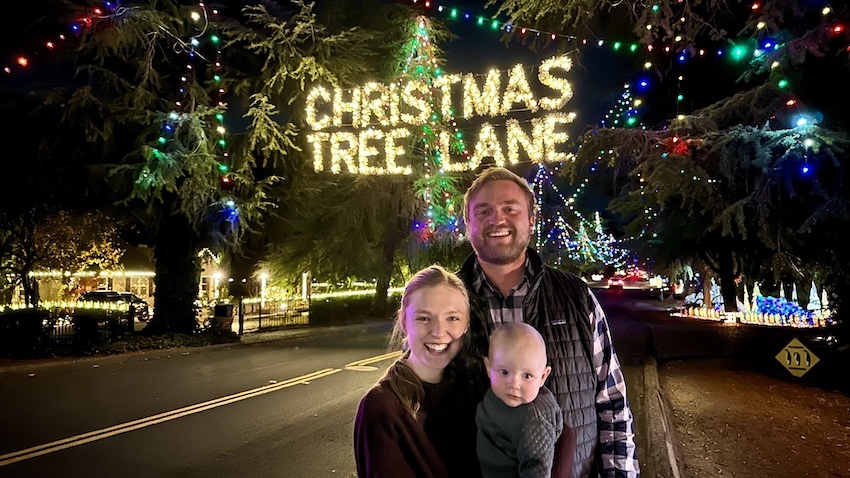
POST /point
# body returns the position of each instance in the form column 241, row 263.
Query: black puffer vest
column 558, row 306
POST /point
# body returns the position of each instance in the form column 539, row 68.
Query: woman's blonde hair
column 401, row 379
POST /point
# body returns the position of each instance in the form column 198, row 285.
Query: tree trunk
column 392, row 238
column 178, row 273
column 727, row 282
column 29, row 285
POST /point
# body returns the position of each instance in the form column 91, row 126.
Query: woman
column 419, row 420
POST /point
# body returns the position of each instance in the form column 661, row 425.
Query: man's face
column 500, row 223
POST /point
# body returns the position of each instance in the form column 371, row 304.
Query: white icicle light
column 553, row 138
column 447, row 164
column 413, row 96
column 518, row 91
column 345, row 155
column 317, row 140
column 366, row 151
column 317, row 123
column 393, row 150
column 478, row 102
column 516, row 137
column 444, row 83
column 556, row 83
column 352, row 105
column 374, row 106
column 488, row 145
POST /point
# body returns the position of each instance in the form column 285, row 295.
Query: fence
column 256, row 314
column 25, row 331
column 65, row 325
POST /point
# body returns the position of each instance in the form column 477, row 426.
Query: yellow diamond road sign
column 797, row 358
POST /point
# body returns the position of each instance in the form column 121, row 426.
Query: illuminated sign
column 369, row 129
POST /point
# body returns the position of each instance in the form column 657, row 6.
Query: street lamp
column 263, row 279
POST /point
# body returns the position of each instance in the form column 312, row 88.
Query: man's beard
column 500, row 254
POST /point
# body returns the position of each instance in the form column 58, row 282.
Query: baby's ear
column 546, row 372
column 487, row 364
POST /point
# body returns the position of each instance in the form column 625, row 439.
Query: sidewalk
column 293, row 333
column 731, row 421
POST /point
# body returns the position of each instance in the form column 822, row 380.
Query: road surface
column 282, row 408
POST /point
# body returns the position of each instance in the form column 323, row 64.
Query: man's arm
column 616, row 427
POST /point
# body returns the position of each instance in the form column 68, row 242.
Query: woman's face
column 435, row 320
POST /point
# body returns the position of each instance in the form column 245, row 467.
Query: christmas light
column 483, row 102
column 342, row 106
column 556, row 83
column 518, row 91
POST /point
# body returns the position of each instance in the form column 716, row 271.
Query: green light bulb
column 739, row 52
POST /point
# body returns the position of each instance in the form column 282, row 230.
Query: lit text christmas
column 368, row 129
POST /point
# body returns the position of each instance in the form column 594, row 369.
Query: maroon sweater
column 389, row 442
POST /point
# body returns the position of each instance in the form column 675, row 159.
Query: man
column 508, row 282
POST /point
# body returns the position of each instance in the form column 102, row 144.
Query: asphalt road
column 298, row 425
column 282, row 408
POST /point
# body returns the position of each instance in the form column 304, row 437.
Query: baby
column 519, row 420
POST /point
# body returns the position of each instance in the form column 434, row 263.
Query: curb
column 663, row 450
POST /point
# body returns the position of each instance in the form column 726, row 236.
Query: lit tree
column 374, row 215
column 742, row 173
column 436, row 185
column 154, row 84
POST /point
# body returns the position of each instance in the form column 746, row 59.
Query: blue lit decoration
column 786, row 312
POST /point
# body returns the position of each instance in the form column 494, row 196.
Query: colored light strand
column 439, row 137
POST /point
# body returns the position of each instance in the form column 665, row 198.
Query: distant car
column 597, row 277
column 141, row 308
column 616, row 282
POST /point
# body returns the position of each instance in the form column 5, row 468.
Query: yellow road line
column 377, row 358
column 77, row 440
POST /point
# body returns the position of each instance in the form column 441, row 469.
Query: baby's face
column 516, row 373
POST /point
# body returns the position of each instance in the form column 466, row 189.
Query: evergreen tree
column 752, row 175
column 148, row 115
